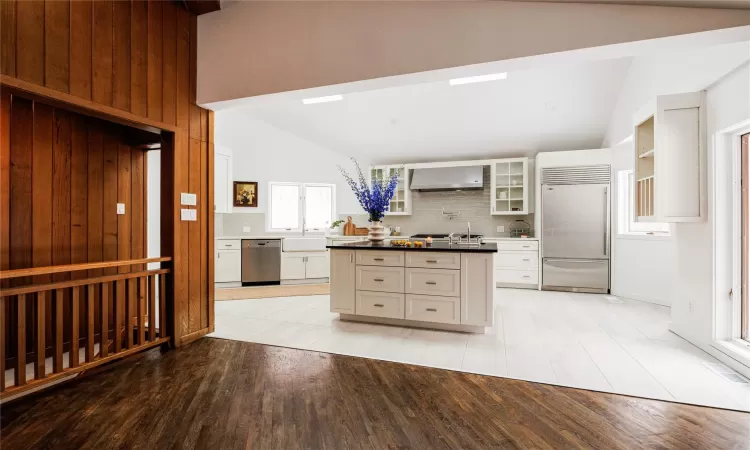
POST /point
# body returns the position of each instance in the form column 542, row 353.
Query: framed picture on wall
column 246, row 194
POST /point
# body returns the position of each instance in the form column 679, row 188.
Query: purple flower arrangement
column 374, row 197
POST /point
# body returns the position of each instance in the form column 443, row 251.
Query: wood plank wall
column 61, row 207
column 138, row 57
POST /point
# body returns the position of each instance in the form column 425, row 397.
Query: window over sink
column 300, row 207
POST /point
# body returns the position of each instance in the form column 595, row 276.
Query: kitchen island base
column 413, row 323
column 442, row 287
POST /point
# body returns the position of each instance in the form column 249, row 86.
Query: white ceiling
column 561, row 107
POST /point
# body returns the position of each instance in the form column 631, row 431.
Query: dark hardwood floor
column 219, row 394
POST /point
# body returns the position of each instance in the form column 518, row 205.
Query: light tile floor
column 585, row 341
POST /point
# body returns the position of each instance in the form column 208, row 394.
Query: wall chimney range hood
column 447, row 178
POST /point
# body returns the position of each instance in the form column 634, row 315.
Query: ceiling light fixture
column 330, row 98
column 478, row 78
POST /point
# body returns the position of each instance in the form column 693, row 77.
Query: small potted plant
column 374, row 198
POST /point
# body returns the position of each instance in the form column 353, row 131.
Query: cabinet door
column 292, row 266
column 680, row 157
column 317, row 265
column 222, row 183
column 509, row 186
column 228, row 266
column 477, row 289
column 342, row 281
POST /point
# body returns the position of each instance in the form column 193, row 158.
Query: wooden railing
column 52, row 331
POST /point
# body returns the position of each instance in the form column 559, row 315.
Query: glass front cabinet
column 401, row 202
column 510, row 187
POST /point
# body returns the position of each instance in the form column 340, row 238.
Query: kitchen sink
column 304, row 244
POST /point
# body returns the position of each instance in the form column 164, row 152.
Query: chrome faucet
column 450, row 238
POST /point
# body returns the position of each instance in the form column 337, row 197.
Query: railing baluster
column 57, row 358
column 104, row 349
column 141, row 310
column 3, row 328
column 40, row 370
column 73, row 356
column 119, row 299
column 130, row 310
column 90, row 298
column 162, row 305
column 20, row 369
column 151, row 308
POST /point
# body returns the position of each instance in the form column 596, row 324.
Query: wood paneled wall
column 134, row 61
column 66, row 173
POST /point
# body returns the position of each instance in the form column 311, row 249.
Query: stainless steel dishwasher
column 261, row 261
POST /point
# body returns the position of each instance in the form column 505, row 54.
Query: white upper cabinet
column 401, row 202
column 511, row 187
column 670, row 152
column 223, row 181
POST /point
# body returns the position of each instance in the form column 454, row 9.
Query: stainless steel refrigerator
column 576, row 228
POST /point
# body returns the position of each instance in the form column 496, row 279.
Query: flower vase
column 376, row 233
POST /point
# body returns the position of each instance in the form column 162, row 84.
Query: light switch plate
column 501, row 228
column 246, row 229
column 120, row 209
column 193, row 215
column 186, row 215
column 188, row 199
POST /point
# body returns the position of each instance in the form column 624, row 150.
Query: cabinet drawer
column 433, row 282
column 517, row 276
column 377, row 258
column 517, row 260
column 380, row 279
column 431, row 308
column 227, row 244
column 436, row 260
column 518, row 246
column 380, row 304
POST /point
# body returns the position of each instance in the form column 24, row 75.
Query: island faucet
column 468, row 234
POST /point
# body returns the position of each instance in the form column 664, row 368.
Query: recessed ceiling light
column 478, row 78
column 330, row 98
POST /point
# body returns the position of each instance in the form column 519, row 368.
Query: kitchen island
column 439, row 286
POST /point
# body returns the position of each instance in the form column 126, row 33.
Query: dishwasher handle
column 261, row 243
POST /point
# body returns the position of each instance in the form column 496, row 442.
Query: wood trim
column 76, row 267
column 84, row 106
column 80, row 282
column 12, row 391
column 745, row 210
column 184, row 340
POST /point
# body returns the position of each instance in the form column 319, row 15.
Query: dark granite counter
column 487, row 247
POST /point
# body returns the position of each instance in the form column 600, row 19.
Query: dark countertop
column 487, row 247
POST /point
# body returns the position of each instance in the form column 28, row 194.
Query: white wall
column 724, row 72
column 264, row 153
column 255, row 48
column 153, row 212
column 643, row 267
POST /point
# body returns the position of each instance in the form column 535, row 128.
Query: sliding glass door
column 745, row 238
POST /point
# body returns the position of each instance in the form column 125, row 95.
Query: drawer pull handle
column 378, row 259
column 430, row 282
column 431, row 261
column 431, row 309
column 526, row 259
column 527, row 276
column 227, row 245
column 378, row 305
column 526, row 246
column 377, row 279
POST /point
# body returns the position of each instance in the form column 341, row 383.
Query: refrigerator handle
column 606, row 221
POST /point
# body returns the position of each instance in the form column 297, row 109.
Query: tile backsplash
column 471, row 205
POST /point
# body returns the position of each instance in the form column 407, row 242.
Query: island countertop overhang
column 487, row 247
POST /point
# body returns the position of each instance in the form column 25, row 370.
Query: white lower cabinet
column 227, row 261
column 380, row 304
column 304, row 265
column 477, row 289
column 433, row 308
column 517, row 263
column 342, row 281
